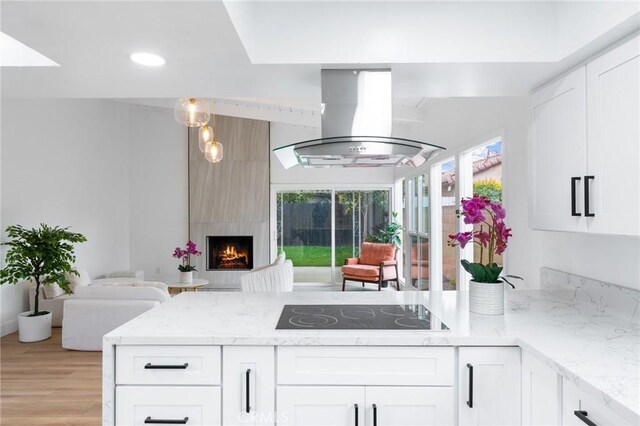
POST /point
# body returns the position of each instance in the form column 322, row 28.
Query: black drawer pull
column 587, row 179
column 150, row 366
column 470, row 401
column 582, row 415
column 573, row 196
column 375, row 415
column 149, row 420
column 248, row 391
column 356, row 407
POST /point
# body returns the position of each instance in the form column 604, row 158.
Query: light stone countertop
column 598, row 352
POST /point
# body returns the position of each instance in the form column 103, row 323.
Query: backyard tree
column 490, row 188
column 359, row 202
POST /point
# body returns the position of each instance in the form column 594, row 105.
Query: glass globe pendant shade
column 205, row 135
column 213, row 152
column 192, row 112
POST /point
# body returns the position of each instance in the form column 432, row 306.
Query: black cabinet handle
column 356, row 407
column 247, row 376
column 573, row 196
column 375, row 415
column 582, row 415
column 149, row 420
column 587, row 179
column 150, row 366
column 470, row 401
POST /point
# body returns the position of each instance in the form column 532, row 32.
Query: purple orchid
column 185, row 255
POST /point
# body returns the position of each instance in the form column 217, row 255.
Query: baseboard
column 9, row 327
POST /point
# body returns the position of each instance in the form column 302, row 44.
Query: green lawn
column 316, row 255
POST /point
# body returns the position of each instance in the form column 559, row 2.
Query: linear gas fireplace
column 227, row 253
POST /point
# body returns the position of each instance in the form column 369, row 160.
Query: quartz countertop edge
column 599, row 353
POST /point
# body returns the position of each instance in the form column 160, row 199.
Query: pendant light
column 205, row 135
column 213, row 150
column 192, row 112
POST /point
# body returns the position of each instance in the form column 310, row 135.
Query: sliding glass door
column 319, row 229
column 358, row 215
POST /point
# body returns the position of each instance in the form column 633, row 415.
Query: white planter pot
column 186, row 277
column 486, row 298
column 34, row 329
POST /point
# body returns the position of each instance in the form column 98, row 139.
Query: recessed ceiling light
column 147, row 59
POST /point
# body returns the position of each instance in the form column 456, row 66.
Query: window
column 304, row 232
column 449, row 221
column 487, row 181
column 418, row 259
column 319, row 229
column 431, row 262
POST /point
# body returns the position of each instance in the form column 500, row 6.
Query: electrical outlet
column 157, row 270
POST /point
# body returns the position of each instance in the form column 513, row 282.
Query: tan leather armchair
column 377, row 264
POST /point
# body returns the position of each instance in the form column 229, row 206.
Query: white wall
column 66, row 162
column 158, row 191
column 461, row 122
column 285, row 134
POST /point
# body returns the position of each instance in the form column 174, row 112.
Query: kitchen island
column 546, row 353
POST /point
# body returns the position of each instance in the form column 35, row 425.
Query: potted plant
column 186, row 269
column 42, row 255
column 389, row 234
column 486, row 288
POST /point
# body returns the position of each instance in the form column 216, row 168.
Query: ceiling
column 271, row 53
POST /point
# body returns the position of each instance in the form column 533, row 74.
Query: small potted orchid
column 486, row 289
column 186, row 269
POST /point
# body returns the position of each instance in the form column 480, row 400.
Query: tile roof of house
column 449, row 178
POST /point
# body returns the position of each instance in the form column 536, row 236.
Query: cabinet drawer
column 334, row 365
column 170, row 365
column 199, row 405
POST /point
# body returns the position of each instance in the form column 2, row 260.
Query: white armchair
column 95, row 310
column 276, row 278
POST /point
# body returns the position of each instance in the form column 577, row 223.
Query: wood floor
column 43, row 384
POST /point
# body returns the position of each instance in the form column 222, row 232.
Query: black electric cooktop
column 358, row 317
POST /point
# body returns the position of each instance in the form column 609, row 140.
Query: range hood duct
column 356, row 126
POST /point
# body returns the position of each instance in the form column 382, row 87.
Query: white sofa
column 275, row 278
column 95, row 310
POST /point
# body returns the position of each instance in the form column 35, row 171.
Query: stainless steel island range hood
column 356, row 126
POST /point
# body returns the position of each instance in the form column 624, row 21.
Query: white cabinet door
column 489, row 386
column 558, row 154
column 407, row 406
column 248, row 394
column 541, row 393
column 148, row 405
column 578, row 404
column 321, row 405
column 613, row 149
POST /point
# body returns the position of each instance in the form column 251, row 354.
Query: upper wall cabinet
column 613, row 140
column 558, row 153
column 584, row 152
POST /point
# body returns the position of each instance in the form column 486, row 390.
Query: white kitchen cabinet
column 408, row 406
column 148, row 405
column 584, row 155
column 249, row 385
column 321, row 405
column 580, row 409
column 365, row 405
column 613, row 140
column 489, row 386
column 541, row 393
column 558, row 153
